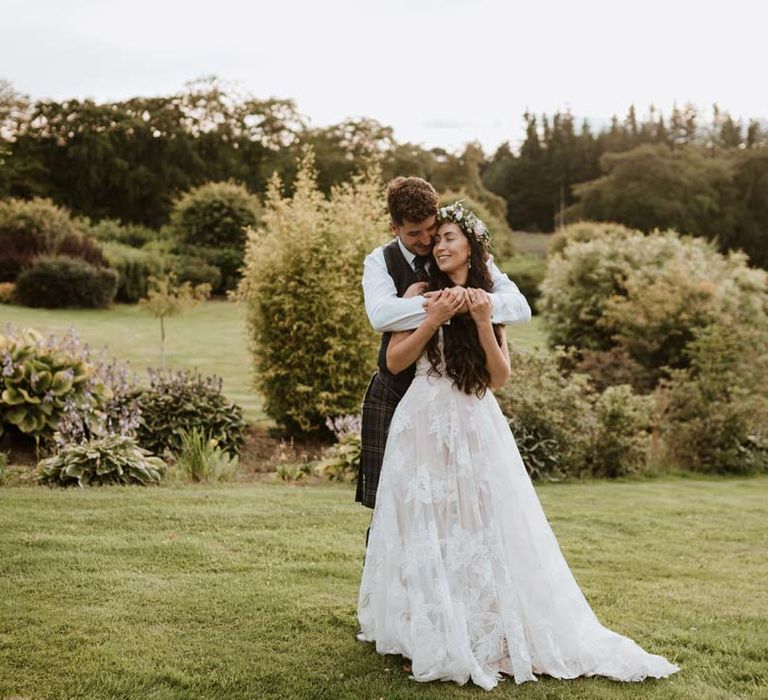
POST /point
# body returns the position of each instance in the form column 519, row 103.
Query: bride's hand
column 479, row 305
column 442, row 306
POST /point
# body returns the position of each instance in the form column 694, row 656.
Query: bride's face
column 450, row 248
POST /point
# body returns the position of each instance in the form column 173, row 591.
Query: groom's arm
column 508, row 305
column 386, row 311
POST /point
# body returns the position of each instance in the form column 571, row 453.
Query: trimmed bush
column 311, row 341
column 7, row 292
column 134, row 267
column 223, row 265
column 133, row 235
column 194, row 270
column 60, row 281
column 215, row 214
column 28, row 229
column 178, row 402
column 75, row 245
column 113, row 459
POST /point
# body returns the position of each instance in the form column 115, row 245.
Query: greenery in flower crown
column 472, row 226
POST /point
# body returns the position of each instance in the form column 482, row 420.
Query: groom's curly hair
column 410, row 198
column 464, row 355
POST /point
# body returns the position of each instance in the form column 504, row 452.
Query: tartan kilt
column 379, row 405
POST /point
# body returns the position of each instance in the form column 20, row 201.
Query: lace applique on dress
column 463, row 574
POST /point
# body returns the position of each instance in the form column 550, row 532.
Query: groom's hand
column 415, row 289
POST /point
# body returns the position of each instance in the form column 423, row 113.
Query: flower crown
column 468, row 222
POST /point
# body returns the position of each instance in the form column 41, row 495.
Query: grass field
column 211, row 338
column 532, row 243
column 250, row 591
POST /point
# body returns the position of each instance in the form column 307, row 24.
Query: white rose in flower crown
column 459, row 214
column 479, row 228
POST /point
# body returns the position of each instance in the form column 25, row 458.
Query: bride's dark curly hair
column 464, row 356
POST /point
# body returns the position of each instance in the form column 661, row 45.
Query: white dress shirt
column 388, row 312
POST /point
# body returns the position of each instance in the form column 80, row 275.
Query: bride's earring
column 469, row 264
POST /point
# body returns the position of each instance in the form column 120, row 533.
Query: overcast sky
column 441, row 72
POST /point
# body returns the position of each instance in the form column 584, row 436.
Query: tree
column 654, row 187
column 168, row 298
column 312, row 345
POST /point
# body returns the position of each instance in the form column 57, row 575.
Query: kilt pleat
column 379, row 405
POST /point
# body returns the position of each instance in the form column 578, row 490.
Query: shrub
column 182, row 401
column 579, row 281
column 112, row 459
column 550, row 415
column 7, row 292
column 527, row 272
column 714, row 413
column 194, row 270
column 663, row 306
column 311, row 341
column 583, row 231
column 39, row 379
column 215, row 214
column 28, row 229
column 133, row 235
column 134, row 267
column 609, row 368
column 75, row 245
column 222, row 265
column 342, row 461
column 43, row 380
column 645, row 294
column 622, row 435
column 564, row 428
column 201, row 459
column 61, row 281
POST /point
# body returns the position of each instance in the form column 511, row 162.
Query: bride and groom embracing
column 463, row 575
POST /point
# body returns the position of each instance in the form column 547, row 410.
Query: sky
column 440, row 72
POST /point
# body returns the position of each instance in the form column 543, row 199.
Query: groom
column 388, row 272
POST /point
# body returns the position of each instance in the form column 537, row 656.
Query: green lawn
column 211, row 337
column 250, row 591
column 532, row 243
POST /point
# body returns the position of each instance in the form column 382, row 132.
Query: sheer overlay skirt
column 463, row 574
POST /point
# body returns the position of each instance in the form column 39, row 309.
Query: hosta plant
column 112, row 459
column 342, row 461
column 53, row 390
column 40, row 378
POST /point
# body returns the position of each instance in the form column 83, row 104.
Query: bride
column 463, row 574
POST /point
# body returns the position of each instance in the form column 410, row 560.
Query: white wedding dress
column 463, row 574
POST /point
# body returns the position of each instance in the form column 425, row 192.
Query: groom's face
column 416, row 236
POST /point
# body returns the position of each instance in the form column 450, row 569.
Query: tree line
column 131, row 159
